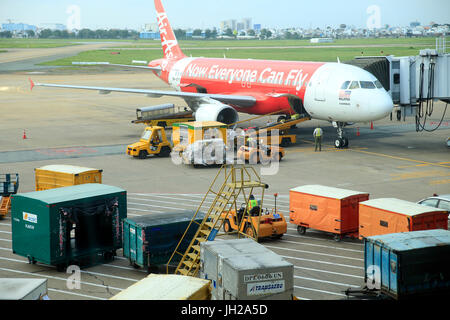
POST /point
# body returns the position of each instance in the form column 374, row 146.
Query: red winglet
column 31, row 83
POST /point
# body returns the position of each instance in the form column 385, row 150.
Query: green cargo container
column 149, row 241
column 71, row 225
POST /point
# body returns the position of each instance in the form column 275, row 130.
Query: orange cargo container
column 389, row 215
column 325, row 208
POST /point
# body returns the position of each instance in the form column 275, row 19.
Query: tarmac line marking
column 330, row 272
column 75, row 294
column 5, row 224
column 419, row 174
column 8, row 232
column 5, row 240
column 400, row 158
column 318, row 253
column 150, row 205
column 323, row 262
column 153, row 211
column 436, row 182
column 61, row 279
column 319, row 239
column 329, row 282
column 321, row 246
column 322, row 291
column 82, row 271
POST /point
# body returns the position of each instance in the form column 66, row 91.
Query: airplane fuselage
column 283, row 86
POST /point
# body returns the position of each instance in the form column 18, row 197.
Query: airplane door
column 320, row 86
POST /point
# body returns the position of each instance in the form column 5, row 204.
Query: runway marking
column 437, row 182
column 329, row 282
column 400, row 158
column 75, row 294
column 419, row 174
column 317, row 253
column 323, row 291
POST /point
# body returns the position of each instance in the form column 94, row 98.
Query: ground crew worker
column 253, row 205
column 318, row 133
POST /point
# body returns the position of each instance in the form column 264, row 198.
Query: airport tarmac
column 87, row 129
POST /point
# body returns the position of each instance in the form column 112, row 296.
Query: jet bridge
column 414, row 82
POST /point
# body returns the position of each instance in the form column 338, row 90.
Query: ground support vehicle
column 9, row 184
column 260, row 153
column 270, row 224
column 163, row 115
column 153, row 142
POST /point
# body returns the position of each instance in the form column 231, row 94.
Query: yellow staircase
column 5, row 206
column 237, row 180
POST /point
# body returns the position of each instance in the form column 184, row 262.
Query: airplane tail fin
column 171, row 49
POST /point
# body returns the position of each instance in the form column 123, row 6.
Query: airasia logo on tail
column 167, row 44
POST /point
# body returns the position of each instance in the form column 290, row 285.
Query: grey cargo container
column 242, row 269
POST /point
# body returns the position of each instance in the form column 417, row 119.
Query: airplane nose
column 381, row 106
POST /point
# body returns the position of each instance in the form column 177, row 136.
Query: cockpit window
column 345, row 85
column 367, row 85
column 354, row 85
column 378, row 84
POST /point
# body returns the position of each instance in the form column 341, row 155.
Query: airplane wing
column 157, row 69
column 240, row 101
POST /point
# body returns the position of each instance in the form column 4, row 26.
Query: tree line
column 81, row 34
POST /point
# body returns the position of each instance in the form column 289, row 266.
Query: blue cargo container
column 149, row 241
column 409, row 264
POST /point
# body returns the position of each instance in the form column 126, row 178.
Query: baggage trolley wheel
column 301, row 230
column 31, row 260
column 337, row 237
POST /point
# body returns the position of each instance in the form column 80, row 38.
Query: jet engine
column 216, row 111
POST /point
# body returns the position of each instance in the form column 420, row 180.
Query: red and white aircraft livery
column 217, row 89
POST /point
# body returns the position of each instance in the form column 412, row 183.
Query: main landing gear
column 342, row 141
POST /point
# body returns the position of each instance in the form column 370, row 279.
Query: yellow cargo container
column 167, row 287
column 57, row 176
column 198, row 130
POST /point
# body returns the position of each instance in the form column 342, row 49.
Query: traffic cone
column 357, row 132
column 371, row 125
column 24, row 135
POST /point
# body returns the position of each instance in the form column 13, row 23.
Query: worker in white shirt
column 318, row 133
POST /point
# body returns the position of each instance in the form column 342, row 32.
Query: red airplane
column 217, row 89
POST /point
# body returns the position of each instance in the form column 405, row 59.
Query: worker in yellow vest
column 253, row 205
column 318, row 133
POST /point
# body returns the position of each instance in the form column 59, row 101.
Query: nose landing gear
column 342, row 141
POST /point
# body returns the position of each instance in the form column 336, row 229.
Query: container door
column 385, row 262
column 132, row 243
column 393, row 274
column 377, row 256
column 139, row 245
column 126, row 239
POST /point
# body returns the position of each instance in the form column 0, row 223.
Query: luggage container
column 57, row 176
column 149, row 241
column 410, row 264
column 389, row 215
column 70, row 225
column 242, row 269
column 167, row 287
column 325, row 208
column 23, row 289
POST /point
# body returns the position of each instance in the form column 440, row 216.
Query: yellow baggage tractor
column 57, row 176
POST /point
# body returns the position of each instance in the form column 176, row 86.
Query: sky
column 133, row 14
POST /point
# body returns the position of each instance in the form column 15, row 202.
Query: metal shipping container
column 68, row 225
column 409, row 264
column 57, row 176
column 242, row 269
column 150, row 240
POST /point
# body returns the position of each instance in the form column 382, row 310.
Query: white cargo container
column 242, row 269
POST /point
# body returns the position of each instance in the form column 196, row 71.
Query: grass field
column 293, row 54
column 287, row 43
column 35, row 43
